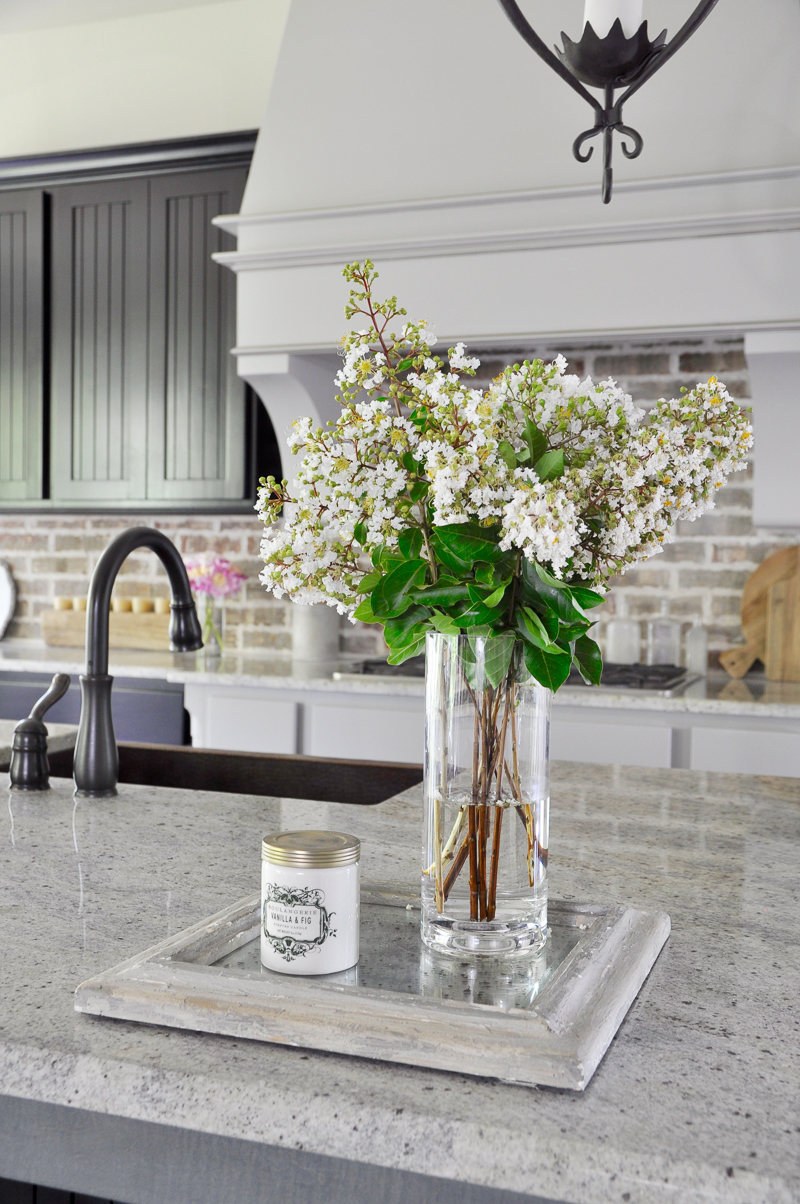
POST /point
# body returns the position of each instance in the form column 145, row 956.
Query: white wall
column 375, row 101
column 200, row 68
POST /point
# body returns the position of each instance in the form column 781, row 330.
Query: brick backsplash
column 702, row 573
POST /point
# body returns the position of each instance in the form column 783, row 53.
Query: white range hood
column 428, row 137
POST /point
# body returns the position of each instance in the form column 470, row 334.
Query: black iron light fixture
column 616, row 60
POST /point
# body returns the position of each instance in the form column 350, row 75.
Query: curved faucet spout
column 96, row 766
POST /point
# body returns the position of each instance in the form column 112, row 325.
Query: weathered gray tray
column 546, row 1020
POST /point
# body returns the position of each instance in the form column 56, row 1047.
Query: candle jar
column 309, row 902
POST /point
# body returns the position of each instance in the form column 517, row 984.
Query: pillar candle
column 603, row 13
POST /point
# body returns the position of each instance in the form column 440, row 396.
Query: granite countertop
column 695, row 1101
column 59, row 736
column 716, row 694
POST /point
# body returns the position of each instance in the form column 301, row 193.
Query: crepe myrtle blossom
column 561, row 472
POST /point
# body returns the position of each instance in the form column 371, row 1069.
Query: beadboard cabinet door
column 99, row 342
column 21, row 345
column 196, row 403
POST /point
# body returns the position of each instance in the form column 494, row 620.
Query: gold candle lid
column 310, row 850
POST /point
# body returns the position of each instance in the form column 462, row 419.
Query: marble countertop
column 716, row 694
column 695, row 1101
column 59, row 736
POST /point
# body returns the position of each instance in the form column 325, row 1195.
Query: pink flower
column 214, row 575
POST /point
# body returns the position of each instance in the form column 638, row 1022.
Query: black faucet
column 96, row 766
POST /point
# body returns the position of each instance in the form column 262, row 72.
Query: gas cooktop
column 656, row 678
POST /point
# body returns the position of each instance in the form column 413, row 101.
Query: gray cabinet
column 146, row 404
column 22, row 314
column 99, row 341
column 196, row 404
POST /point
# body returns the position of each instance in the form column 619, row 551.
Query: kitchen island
column 696, row 1099
column 251, row 702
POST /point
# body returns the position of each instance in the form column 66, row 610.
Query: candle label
column 294, row 920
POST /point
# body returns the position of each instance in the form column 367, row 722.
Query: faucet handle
column 57, row 689
column 30, row 769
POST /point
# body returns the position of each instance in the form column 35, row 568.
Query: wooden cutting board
column 782, row 659
column 755, row 604
column 67, row 628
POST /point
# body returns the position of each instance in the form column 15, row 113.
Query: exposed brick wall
column 702, row 573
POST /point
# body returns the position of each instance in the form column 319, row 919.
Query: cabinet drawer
column 240, row 721
column 726, row 750
column 616, row 743
column 365, row 733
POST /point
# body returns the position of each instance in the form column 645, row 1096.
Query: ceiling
column 19, row 15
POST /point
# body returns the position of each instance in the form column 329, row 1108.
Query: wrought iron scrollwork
column 612, row 63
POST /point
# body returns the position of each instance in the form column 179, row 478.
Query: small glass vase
column 213, row 621
column 487, row 799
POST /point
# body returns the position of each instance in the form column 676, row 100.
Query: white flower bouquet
column 433, row 506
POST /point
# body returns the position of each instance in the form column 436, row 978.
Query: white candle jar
column 309, row 902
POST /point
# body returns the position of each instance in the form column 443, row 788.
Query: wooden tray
column 543, row 1020
column 67, row 628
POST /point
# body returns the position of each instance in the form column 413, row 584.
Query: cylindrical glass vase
column 213, row 621
column 487, row 799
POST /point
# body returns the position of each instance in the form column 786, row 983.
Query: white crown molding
column 236, row 222
column 514, row 240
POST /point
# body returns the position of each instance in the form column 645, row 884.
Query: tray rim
column 558, row 1042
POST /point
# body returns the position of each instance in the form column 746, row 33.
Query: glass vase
column 487, row 799
column 213, row 621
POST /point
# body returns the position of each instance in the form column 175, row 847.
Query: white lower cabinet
column 384, row 727
column 241, row 719
column 372, row 732
column 614, row 742
column 727, row 750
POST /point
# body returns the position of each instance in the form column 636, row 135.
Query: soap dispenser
column 623, row 637
column 696, row 648
column 30, row 769
column 663, row 639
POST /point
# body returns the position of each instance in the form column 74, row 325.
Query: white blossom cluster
column 415, row 445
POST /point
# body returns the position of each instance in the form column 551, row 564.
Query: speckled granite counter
column 59, row 735
column 716, row 695
column 696, row 1101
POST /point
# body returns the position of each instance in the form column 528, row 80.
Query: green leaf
column 407, row 628
column 401, row 367
column 568, row 632
column 418, row 490
column 398, row 655
column 446, row 592
column 468, row 541
column 478, row 615
column 553, row 597
column 537, row 444
column 496, row 598
column 586, row 598
column 392, row 594
column 533, row 629
column 547, row 577
column 410, row 543
column 484, row 573
column 364, row 613
column 506, row 452
column 498, row 651
column 550, row 465
column 368, row 583
column 377, row 552
column 410, row 463
column 360, row 533
column 444, row 624
column 523, row 456
column 589, row 659
column 549, row 669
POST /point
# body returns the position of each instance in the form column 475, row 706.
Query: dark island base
column 144, row 1163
